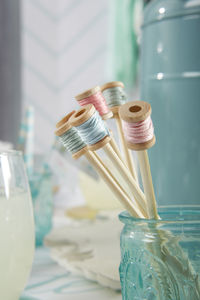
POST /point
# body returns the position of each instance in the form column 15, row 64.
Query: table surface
column 49, row 281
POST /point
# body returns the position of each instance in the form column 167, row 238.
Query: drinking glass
column 160, row 259
column 16, row 226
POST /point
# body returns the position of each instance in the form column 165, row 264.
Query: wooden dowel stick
column 147, row 183
column 113, row 185
column 136, row 191
column 113, row 144
column 126, row 151
column 108, row 171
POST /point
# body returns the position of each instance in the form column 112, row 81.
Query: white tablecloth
column 49, row 281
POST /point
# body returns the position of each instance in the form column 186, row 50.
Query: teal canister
column 170, row 81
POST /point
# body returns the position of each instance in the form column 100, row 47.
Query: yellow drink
column 17, row 243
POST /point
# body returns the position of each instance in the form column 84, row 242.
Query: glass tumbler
column 160, row 259
column 16, row 226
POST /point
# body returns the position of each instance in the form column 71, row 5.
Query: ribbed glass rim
column 170, row 214
column 10, row 153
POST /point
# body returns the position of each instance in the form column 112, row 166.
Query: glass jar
column 160, row 259
column 42, row 198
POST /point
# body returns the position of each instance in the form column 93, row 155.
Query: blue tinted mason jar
column 42, row 198
column 170, row 81
column 160, row 259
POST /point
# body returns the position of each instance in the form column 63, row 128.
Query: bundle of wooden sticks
column 85, row 131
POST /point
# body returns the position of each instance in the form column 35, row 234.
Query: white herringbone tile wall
column 64, row 49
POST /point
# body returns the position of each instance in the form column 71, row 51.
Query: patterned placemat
column 49, row 281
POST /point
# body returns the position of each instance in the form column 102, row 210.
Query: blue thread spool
column 115, row 95
column 87, row 118
column 91, row 128
column 70, row 137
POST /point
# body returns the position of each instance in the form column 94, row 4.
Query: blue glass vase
column 42, row 198
column 160, row 259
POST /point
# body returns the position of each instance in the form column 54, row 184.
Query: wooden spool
column 89, row 93
column 83, row 115
column 136, row 111
column 65, row 119
column 65, row 126
column 108, row 85
column 133, row 112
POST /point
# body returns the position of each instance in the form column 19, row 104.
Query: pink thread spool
column 139, row 135
column 137, row 125
column 95, row 97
